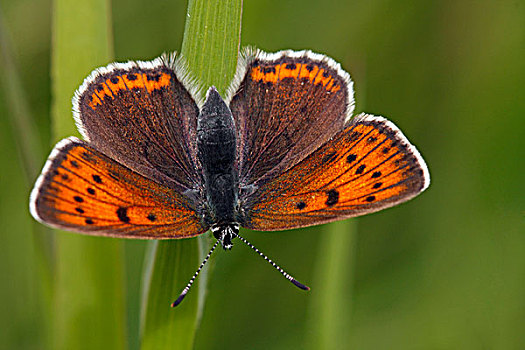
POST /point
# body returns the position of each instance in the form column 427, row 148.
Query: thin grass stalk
column 210, row 47
column 329, row 318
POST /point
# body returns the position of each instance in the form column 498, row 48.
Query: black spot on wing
column 351, row 158
column 333, row 198
column 153, row 77
column 122, row 214
column 360, row 169
column 97, row 179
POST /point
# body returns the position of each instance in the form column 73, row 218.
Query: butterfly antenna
column 277, row 267
column 188, row 286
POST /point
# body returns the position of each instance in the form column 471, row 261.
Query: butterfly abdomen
column 216, row 147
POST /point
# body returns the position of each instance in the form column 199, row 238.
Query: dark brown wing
column 285, row 106
column 140, row 114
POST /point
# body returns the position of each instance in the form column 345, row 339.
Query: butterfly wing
column 141, row 114
column 285, row 105
column 368, row 166
column 83, row 190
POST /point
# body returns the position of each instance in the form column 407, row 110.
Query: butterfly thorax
column 216, row 146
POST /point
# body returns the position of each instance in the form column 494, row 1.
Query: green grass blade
column 331, row 299
column 19, row 115
column 82, row 41
column 169, row 265
column 211, row 43
column 23, row 251
column 89, row 311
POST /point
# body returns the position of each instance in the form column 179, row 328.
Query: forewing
column 285, row 106
column 368, row 166
column 141, row 115
column 82, row 190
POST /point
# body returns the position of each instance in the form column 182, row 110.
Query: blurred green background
column 443, row 271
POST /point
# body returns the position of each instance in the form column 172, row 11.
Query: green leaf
column 210, row 47
column 89, row 311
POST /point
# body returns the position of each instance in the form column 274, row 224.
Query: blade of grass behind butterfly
column 210, row 47
column 89, row 304
column 25, row 246
column 331, row 300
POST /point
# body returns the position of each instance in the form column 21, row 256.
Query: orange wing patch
column 110, row 87
column 367, row 167
column 310, row 71
column 83, row 190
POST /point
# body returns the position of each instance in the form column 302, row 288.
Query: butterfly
column 280, row 151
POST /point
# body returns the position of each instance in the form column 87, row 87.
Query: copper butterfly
column 280, row 151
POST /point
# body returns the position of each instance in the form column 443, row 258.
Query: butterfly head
column 225, row 233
